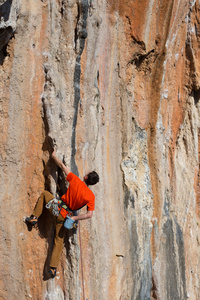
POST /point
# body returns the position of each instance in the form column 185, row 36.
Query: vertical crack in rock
column 196, row 96
column 193, row 33
column 49, row 169
column 189, row 51
column 45, row 146
column 97, row 99
column 62, row 8
column 49, row 125
column 80, row 36
column 77, row 75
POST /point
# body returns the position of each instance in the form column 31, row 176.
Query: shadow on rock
column 5, row 9
column 46, row 230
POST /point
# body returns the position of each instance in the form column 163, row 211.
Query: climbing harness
column 59, row 207
column 64, row 210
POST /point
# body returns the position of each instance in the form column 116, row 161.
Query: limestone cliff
column 116, row 84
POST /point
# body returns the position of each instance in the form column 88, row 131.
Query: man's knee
column 58, row 243
column 47, row 196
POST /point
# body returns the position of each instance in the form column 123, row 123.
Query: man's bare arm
column 85, row 216
column 60, row 163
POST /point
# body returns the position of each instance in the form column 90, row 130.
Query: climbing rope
column 79, row 230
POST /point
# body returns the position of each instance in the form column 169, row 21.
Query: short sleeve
column 69, row 176
column 91, row 204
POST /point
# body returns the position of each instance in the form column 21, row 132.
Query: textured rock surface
column 117, row 86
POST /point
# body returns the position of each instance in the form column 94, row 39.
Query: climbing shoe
column 52, row 272
column 32, row 220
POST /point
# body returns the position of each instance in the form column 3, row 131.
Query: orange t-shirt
column 78, row 194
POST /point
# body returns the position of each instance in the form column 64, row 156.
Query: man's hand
column 88, row 215
column 59, row 162
column 53, row 154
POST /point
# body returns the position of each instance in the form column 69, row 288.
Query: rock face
column 116, row 84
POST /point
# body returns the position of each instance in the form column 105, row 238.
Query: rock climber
column 78, row 195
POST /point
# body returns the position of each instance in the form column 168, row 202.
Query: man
column 77, row 196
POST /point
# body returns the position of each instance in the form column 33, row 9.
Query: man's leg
column 58, row 242
column 44, row 198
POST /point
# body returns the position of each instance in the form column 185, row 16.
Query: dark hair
column 93, row 178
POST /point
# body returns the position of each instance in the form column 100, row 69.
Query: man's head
column 91, row 178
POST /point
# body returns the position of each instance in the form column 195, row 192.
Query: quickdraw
column 54, row 206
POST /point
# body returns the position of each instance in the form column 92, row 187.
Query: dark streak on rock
column 129, row 198
column 80, row 36
column 175, row 281
column 181, row 260
column 5, row 35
